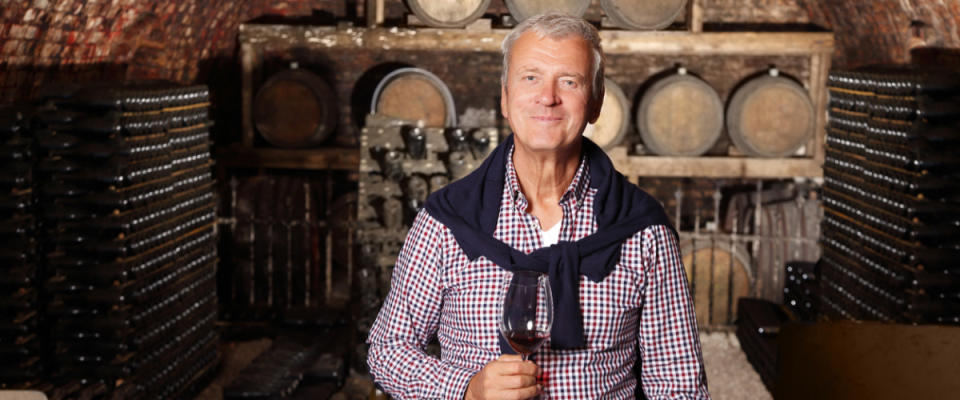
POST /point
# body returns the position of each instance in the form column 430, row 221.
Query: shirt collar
column 573, row 196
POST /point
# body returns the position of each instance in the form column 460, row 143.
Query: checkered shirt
column 642, row 306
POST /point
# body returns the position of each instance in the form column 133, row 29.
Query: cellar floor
column 729, row 375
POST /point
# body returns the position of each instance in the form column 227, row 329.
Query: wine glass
column 527, row 312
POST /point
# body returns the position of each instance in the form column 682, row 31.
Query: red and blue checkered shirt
column 643, row 308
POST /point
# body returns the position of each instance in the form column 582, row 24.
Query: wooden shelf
column 321, row 158
column 614, row 41
column 803, row 55
column 717, row 167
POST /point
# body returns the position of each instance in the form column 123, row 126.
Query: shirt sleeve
column 408, row 320
column 670, row 357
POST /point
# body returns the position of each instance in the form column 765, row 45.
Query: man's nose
column 548, row 94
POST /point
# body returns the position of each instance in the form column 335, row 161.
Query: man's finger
column 510, row 357
column 519, row 381
column 515, row 368
column 527, row 368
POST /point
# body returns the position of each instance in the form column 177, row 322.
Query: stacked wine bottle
column 758, row 327
column 800, row 290
column 127, row 210
column 891, row 228
column 21, row 336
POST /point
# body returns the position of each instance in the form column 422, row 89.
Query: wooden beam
column 818, row 77
column 717, row 167
column 695, row 16
column 374, row 12
column 716, row 43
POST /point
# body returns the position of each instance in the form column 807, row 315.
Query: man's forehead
column 533, row 39
column 554, row 36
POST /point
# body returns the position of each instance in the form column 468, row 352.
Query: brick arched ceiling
column 190, row 40
column 51, row 40
column 884, row 31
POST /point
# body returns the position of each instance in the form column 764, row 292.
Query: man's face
column 547, row 94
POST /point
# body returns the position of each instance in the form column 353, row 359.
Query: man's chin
column 548, row 145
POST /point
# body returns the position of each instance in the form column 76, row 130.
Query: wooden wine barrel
column 680, row 115
column 415, row 94
column 738, row 216
column 770, row 116
column 295, row 109
column 783, row 227
column 788, row 231
column 643, row 14
column 448, row 13
column 728, row 267
column 523, row 9
column 611, row 127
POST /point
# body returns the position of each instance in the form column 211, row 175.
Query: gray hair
column 555, row 25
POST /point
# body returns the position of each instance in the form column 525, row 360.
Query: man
column 546, row 200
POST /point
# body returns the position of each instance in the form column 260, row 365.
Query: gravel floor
column 729, row 375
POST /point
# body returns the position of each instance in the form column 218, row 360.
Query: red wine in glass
column 525, row 342
column 527, row 311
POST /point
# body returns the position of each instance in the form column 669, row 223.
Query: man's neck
column 543, row 178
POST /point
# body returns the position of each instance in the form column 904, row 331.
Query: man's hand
column 508, row 377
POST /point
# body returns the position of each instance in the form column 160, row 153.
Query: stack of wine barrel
column 20, row 335
column 891, row 228
column 125, row 210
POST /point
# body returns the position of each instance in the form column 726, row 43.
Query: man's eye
column 569, row 83
column 529, row 78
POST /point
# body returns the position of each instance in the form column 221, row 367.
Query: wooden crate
column 469, row 61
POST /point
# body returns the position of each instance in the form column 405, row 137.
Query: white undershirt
column 550, row 236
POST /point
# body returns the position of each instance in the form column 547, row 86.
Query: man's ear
column 503, row 102
column 595, row 108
